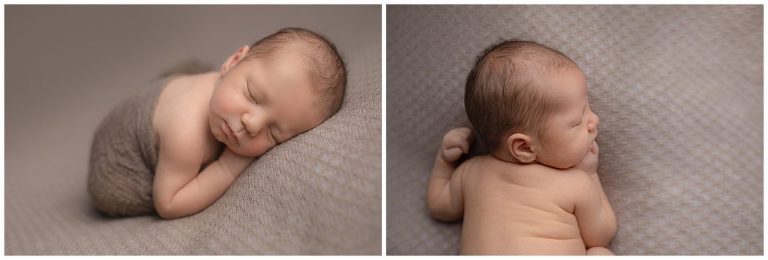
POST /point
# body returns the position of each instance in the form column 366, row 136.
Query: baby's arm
column 593, row 211
column 178, row 189
column 444, row 196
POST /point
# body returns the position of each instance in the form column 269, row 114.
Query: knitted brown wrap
column 124, row 156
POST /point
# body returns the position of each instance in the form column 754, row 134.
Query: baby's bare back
column 518, row 209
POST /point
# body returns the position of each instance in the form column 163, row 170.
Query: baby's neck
column 510, row 159
column 506, row 158
column 209, row 79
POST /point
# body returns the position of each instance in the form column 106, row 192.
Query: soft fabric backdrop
column 678, row 90
column 67, row 66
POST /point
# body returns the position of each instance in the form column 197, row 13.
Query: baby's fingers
column 455, row 143
column 452, row 154
column 458, row 137
column 594, row 148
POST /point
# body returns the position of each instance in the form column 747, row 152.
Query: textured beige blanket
column 678, row 90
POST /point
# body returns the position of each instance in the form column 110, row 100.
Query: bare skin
column 212, row 126
column 532, row 196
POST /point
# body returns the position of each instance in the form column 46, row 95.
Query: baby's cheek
column 573, row 155
column 223, row 105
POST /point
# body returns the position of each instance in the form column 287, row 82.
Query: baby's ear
column 234, row 58
column 520, row 147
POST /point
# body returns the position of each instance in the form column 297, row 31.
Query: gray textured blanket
column 678, row 90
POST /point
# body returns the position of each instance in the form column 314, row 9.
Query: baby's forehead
column 564, row 88
column 280, row 71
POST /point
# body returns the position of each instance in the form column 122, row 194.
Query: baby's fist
column 455, row 143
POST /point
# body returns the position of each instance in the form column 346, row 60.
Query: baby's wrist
column 234, row 162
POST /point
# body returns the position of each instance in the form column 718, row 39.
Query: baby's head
column 281, row 86
column 528, row 103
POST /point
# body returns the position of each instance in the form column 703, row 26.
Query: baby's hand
column 589, row 164
column 455, row 143
column 233, row 162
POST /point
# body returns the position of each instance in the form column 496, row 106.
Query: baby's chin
column 563, row 164
column 559, row 166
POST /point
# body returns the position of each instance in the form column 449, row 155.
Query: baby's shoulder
column 180, row 107
column 480, row 163
column 570, row 182
column 564, row 187
column 181, row 122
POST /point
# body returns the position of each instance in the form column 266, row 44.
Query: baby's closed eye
column 576, row 123
column 249, row 95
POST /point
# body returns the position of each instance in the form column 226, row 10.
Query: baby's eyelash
column 250, row 95
column 575, row 124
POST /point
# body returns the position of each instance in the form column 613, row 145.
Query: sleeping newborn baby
column 177, row 147
column 538, row 191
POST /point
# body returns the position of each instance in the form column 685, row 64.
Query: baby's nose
column 253, row 123
column 594, row 123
